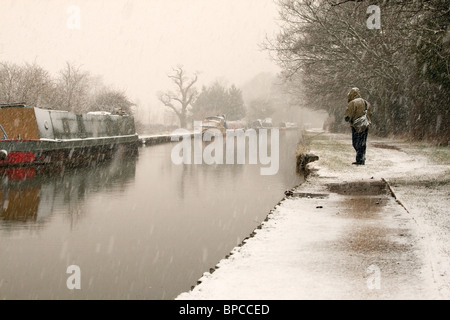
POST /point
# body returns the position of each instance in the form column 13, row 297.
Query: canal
column 137, row 227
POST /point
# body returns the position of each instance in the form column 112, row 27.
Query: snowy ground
column 331, row 241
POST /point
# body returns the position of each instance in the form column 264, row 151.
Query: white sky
column 133, row 44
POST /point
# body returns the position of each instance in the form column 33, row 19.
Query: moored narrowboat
column 214, row 122
column 32, row 135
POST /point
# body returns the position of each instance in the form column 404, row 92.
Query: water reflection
column 31, row 194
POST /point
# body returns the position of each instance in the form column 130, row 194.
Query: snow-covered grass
column 426, row 196
column 434, row 154
column 338, row 151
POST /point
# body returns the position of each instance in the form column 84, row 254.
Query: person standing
column 356, row 108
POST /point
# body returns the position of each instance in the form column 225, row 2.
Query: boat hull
column 37, row 152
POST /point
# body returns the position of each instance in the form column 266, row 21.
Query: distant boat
column 262, row 124
column 33, row 135
column 214, row 122
column 288, row 126
column 237, row 124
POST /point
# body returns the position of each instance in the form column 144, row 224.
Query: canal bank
column 153, row 139
column 379, row 231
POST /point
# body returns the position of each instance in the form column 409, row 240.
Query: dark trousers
column 359, row 140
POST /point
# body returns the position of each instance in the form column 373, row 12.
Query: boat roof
column 215, row 118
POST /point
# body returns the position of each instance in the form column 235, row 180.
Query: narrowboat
column 33, row 136
column 214, row 122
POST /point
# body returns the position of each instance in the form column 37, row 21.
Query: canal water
column 136, row 227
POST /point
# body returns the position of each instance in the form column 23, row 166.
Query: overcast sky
column 133, row 44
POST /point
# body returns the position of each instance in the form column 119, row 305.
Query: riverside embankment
column 153, row 139
column 379, row 231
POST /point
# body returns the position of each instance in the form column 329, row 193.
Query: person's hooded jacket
column 356, row 106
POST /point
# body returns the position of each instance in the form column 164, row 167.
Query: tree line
column 73, row 89
column 76, row 90
column 325, row 47
column 189, row 104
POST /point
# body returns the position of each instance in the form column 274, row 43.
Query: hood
column 353, row 94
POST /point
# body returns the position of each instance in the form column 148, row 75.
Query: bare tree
column 184, row 95
column 37, row 86
column 28, row 84
column 72, row 88
column 9, row 77
column 111, row 100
